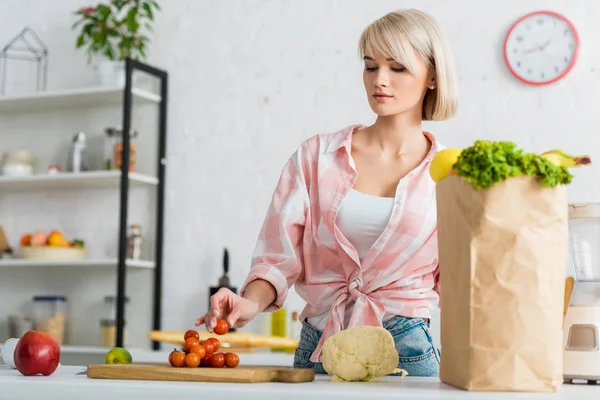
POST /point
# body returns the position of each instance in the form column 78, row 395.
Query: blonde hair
column 395, row 35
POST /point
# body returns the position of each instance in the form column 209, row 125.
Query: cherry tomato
column 171, row 354
column 215, row 342
column 217, row 360
column 209, row 346
column 231, row 360
column 206, row 360
column 192, row 360
column 177, row 359
column 189, row 343
column 191, row 333
column 198, row 349
column 222, row 327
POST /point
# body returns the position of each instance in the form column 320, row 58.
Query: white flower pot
column 110, row 73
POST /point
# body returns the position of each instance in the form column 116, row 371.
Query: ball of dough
column 360, row 353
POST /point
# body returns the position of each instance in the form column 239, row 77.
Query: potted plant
column 113, row 31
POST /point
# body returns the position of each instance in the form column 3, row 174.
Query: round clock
column 541, row 47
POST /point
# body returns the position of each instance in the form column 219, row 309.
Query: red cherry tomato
column 192, row 360
column 178, row 359
column 217, row 360
column 198, row 349
column 231, row 360
column 222, row 327
column 191, row 333
column 209, row 346
column 215, row 342
column 206, row 361
column 189, row 343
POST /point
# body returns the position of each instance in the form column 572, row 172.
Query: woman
column 352, row 222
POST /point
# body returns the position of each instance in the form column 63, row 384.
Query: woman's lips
column 382, row 97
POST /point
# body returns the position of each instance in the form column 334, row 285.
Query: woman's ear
column 432, row 83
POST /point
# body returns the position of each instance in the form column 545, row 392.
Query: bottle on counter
column 278, row 325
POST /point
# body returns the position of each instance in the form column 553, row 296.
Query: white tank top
column 362, row 218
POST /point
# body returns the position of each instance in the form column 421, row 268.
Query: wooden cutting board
column 165, row 372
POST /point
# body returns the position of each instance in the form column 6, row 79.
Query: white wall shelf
column 84, row 263
column 91, row 179
column 92, row 108
column 73, row 98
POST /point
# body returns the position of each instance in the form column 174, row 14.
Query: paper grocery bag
column 503, row 256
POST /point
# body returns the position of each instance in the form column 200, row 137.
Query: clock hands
column 538, row 48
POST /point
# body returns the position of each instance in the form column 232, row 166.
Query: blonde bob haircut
column 396, row 34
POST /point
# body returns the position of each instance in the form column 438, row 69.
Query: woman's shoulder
column 328, row 142
column 437, row 145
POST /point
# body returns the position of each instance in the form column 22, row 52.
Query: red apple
column 37, row 353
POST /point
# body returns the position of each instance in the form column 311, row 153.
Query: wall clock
column 541, row 47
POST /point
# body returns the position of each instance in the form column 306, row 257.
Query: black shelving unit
column 131, row 66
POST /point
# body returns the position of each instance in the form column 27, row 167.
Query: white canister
column 17, row 163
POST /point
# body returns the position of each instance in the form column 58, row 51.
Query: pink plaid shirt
column 300, row 244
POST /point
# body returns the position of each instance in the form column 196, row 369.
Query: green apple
column 118, row 355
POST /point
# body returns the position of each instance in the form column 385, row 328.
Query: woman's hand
column 236, row 310
column 225, row 304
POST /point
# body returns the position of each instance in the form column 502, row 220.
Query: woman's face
column 390, row 88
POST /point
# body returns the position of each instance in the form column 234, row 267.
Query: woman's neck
column 397, row 135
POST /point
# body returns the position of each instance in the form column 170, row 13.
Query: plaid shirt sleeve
column 277, row 256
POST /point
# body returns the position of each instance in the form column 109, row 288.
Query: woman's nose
column 382, row 78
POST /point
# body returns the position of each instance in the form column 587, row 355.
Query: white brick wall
column 251, row 79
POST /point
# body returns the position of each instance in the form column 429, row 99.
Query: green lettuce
column 486, row 163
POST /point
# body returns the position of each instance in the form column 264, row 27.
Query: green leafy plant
column 487, row 163
column 116, row 29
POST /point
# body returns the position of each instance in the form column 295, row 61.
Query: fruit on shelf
column 51, row 246
column 118, row 355
column 38, row 238
column 37, row 353
column 26, row 239
column 54, row 239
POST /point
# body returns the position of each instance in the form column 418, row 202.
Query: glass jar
column 108, row 324
column 114, row 148
column 50, row 315
column 134, row 242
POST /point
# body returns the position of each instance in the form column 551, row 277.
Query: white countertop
column 66, row 382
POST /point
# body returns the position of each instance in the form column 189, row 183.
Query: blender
column 581, row 341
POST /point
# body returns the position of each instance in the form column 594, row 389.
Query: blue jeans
column 418, row 355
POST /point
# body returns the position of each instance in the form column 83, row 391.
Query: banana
column 562, row 158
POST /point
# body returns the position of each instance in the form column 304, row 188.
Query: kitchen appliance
column 581, row 339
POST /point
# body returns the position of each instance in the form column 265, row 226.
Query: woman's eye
column 399, row 69
column 370, row 68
